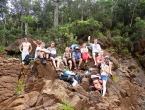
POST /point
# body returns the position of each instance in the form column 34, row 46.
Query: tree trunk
column 26, row 29
column 82, row 8
column 56, row 14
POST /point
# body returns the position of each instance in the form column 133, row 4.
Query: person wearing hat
column 76, row 57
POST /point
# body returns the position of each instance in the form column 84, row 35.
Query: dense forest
column 66, row 21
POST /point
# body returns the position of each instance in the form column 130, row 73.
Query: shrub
column 2, row 48
column 20, row 87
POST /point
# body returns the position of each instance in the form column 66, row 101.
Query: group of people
column 74, row 57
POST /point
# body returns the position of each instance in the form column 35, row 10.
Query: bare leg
column 58, row 62
column 40, row 54
column 94, row 58
column 53, row 61
column 70, row 64
column 104, row 88
column 80, row 62
column 64, row 59
column 74, row 61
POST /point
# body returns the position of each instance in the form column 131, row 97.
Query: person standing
column 96, row 48
column 25, row 48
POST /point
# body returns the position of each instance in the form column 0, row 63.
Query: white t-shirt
column 96, row 48
column 84, row 50
column 26, row 46
column 36, row 51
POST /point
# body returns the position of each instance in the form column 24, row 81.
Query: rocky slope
column 42, row 90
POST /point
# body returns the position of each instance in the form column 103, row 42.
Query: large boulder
column 14, row 47
column 137, row 48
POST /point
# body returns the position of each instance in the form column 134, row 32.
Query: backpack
column 66, row 77
column 73, row 46
column 28, row 58
column 69, row 78
column 78, row 78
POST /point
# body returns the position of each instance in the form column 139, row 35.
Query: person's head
column 106, row 59
column 26, row 39
column 77, row 49
column 100, row 53
column 38, row 42
column 42, row 45
column 67, row 49
column 95, row 41
column 84, row 45
column 52, row 44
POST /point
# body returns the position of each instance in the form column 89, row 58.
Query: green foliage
column 20, row 87
column 66, row 106
column 115, row 78
column 28, row 19
column 85, row 27
column 140, row 27
column 2, row 48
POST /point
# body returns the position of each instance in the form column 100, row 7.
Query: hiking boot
column 79, row 67
column 75, row 67
column 44, row 61
column 57, row 69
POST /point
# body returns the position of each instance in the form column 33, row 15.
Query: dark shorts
column 53, row 56
column 68, row 59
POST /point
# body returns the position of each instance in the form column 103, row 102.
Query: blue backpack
column 73, row 46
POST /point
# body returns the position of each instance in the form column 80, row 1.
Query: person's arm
column 106, row 68
column 30, row 48
column 89, row 37
column 63, row 55
column 70, row 56
column 20, row 47
column 110, row 68
column 80, row 55
column 99, row 47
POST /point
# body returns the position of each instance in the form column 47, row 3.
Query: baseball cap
column 77, row 48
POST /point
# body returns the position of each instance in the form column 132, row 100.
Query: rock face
column 138, row 50
column 9, row 72
column 14, row 47
column 44, row 91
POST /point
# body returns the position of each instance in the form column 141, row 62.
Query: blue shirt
column 76, row 55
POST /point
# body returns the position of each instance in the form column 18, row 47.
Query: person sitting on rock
column 104, row 75
column 85, row 53
column 25, row 48
column 55, row 60
column 67, row 58
column 38, row 44
column 76, row 57
column 42, row 53
column 96, row 48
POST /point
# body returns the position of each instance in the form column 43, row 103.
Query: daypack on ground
column 28, row 58
column 69, row 78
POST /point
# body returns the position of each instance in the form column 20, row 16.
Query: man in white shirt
column 42, row 53
column 96, row 48
column 25, row 48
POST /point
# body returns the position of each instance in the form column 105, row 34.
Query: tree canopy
column 72, row 19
